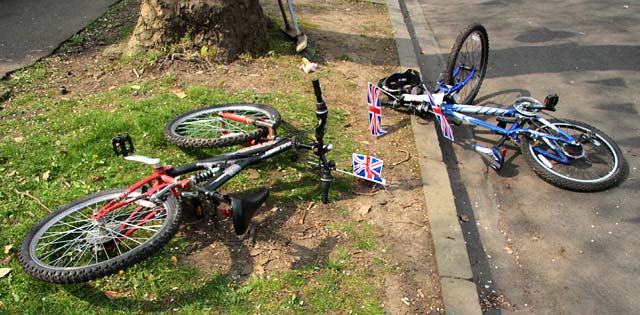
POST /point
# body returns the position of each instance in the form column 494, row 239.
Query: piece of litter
column 309, row 67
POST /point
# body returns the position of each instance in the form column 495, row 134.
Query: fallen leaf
column 174, row 260
column 508, row 249
column 464, row 218
column 253, row 174
column 255, row 252
column 179, row 93
column 365, row 209
column 4, row 272
column 263, row 261
column 8, row 248
column 135, row 87
column 112, row 295
column 96, row 178
column 45, row 175
column 18, row 139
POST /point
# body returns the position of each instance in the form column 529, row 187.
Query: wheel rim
column 208, row 125
column 470, row 57
column 73, row 240
column 594, row 164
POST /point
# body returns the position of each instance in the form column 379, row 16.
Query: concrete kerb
column 458, row 289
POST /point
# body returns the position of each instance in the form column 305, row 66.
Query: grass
column 58, row 149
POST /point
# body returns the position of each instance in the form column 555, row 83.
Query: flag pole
column 384, row 183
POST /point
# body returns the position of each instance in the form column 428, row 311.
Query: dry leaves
column 366, row 208
column 253, row 174
column 112, row 295
column 179, row 93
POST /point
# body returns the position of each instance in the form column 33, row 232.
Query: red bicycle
column 111, row 230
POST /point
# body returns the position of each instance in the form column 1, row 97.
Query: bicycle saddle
column 408, row 82
column 244, row 209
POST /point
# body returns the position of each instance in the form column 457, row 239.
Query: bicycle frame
column 215, row 171
column 460, row 112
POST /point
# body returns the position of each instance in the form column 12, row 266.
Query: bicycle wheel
column 68, row 246
column 596, row 164
column 203, row 128
column 470, row 52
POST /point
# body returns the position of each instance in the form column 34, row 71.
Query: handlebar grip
column 324, row 185
column 317, row 90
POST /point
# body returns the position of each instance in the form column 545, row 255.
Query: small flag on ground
column 375, row 111
column 368, row 167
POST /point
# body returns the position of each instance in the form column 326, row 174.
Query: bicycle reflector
column 122, row 144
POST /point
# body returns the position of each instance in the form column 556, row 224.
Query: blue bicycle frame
column 460, row 112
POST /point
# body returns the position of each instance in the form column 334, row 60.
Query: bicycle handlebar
column 317, row 90
column 253, row 156
column 324, row 166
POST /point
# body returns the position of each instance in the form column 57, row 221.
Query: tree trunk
column 228, row 28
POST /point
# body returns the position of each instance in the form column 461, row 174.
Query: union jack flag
column 375, row 111
column 447, row 132
column 368, row 167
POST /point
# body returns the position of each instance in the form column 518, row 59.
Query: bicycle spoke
column 210, row 125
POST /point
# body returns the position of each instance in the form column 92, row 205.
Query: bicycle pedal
column 122, row 144
column 494, row 157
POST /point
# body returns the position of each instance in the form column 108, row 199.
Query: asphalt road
column 32, row 29
column 535, row 248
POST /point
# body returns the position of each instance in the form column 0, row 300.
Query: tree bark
column 228, row 27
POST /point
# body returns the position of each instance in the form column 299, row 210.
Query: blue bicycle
column 566, row 153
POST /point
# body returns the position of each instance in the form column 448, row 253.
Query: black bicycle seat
column 244, row 209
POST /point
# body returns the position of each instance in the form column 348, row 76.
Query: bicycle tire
column 202, row 128
column 613, row 170
column 468, row 38
column 68, row 246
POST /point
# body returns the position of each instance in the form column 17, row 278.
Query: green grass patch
column 58, row 150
